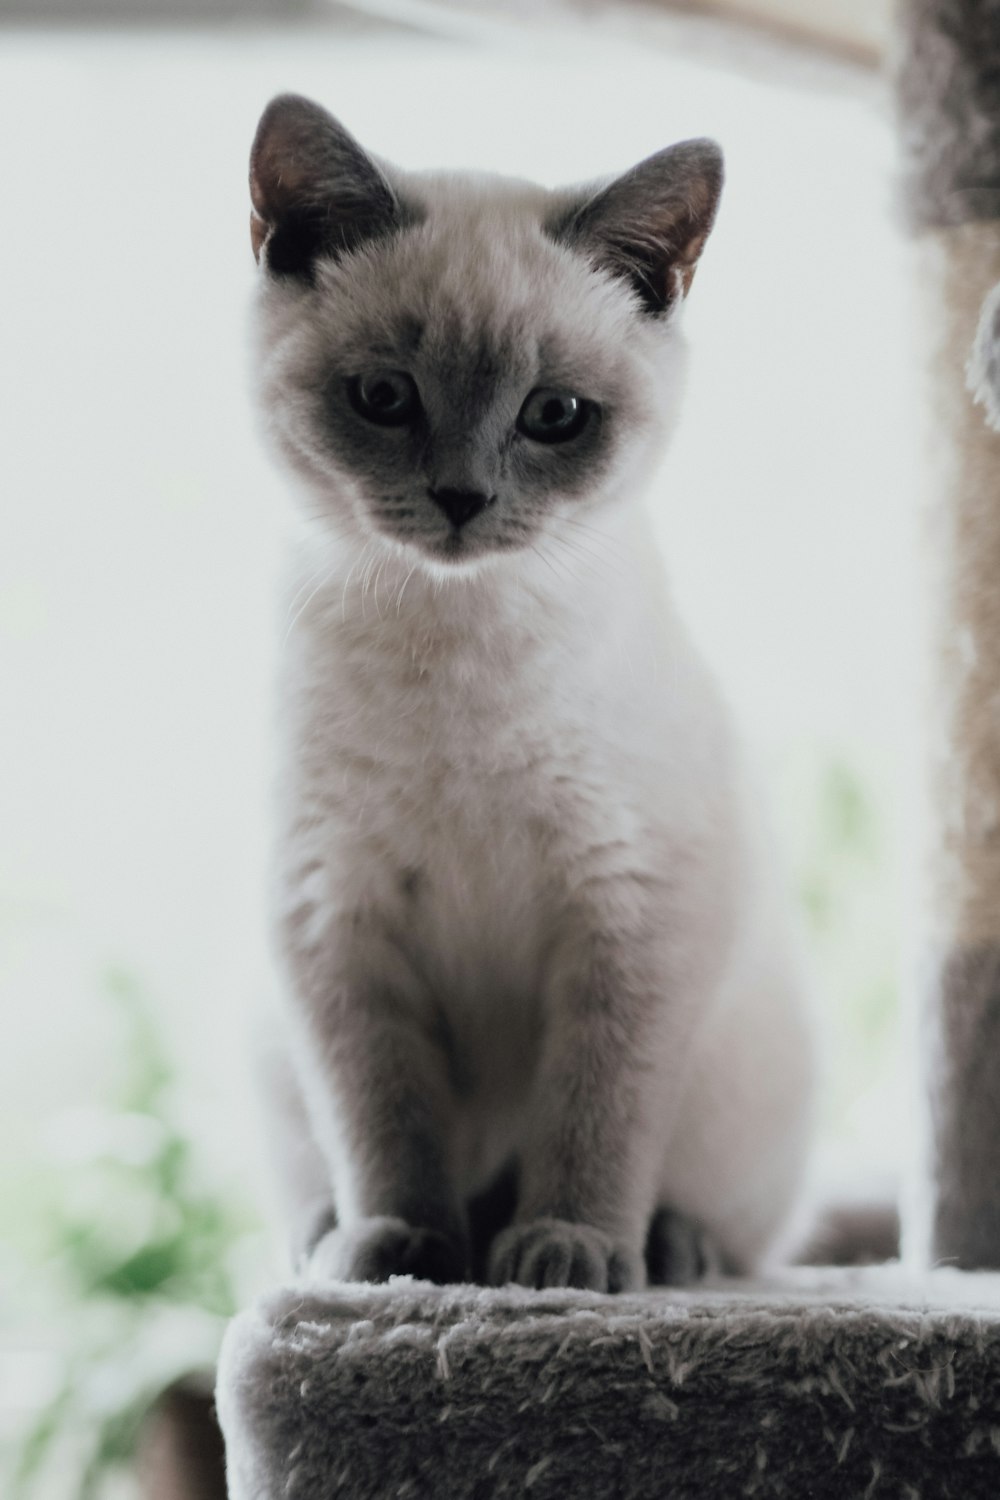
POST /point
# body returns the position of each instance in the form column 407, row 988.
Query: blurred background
column 140, row 533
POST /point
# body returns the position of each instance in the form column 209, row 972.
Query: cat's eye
column 388, row 397
column 550, row 416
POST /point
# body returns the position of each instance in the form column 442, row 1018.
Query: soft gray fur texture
column 947, row 89
column 814, row 1386
column 984, row 362
column 531, row 932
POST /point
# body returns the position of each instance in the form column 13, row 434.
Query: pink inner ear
column 258, row 197
column 687, row 262
column 279, row 168
column 258, row 234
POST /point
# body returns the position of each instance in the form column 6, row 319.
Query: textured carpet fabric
column 864, row 1383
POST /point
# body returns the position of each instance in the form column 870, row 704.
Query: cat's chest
column 466, row 755
column 462, row 798
column 461, row 851
column 469, row 794
column 457, row 801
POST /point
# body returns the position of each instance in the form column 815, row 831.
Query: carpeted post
column 948, row 89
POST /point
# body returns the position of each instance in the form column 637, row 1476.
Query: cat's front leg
column 376, row 1086
column 588, row 1164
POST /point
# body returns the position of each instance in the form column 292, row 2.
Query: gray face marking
column 463, row 438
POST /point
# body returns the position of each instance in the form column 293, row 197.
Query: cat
column 544, row 1010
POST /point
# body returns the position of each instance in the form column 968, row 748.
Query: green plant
column 130, row 1252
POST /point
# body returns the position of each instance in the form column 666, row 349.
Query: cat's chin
column 455, row 553
column 457, row 549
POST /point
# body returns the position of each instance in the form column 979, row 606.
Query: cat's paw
column 554, row 1252
column 679, row 1251
column 375, row 1249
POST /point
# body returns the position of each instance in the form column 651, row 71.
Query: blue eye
column 550, row 416
column 388, row 397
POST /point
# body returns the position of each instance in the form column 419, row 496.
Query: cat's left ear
column 650, row 225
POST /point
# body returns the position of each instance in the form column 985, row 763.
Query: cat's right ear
column 315, row 191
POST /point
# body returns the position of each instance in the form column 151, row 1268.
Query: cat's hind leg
column 679, row 1251
column 737, row 1150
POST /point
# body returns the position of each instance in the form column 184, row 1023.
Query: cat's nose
column 461, row 505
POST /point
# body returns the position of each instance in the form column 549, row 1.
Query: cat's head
column 456, row 363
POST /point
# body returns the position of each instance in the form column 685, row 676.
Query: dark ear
column 314, row 190
column 650, row 225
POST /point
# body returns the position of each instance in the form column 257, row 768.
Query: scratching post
column 949, row 99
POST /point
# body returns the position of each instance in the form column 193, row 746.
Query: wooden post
column 181, row 1455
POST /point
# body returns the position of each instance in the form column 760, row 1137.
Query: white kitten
column 533, row 941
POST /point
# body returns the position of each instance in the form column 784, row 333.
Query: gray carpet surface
column 817, row 1385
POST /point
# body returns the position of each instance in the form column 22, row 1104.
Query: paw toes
column 556, row 1253
column 546, row 1263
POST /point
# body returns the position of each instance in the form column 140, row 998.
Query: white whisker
column 350, row 574
column 325, row 577
column 380, row 570
column 399, row 597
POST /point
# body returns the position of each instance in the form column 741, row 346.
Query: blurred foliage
column 127, row 1262
column 837, row 822
column 844, row 841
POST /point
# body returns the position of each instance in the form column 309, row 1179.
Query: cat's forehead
column 478, row 282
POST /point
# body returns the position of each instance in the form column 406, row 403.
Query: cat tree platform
column 816, row 1385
